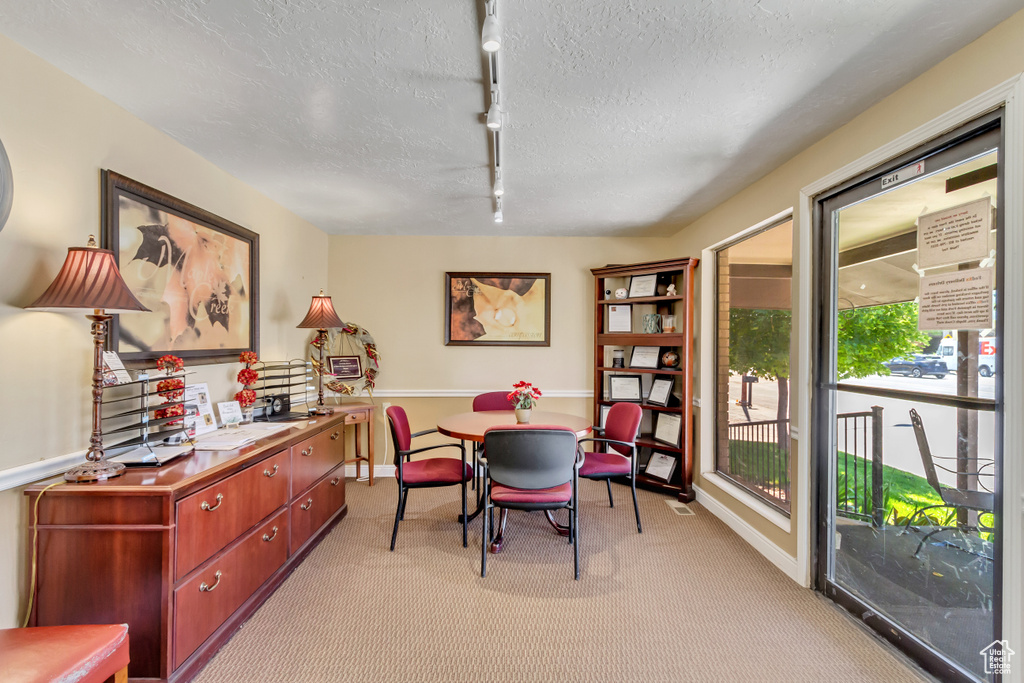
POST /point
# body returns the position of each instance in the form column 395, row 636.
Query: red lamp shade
column 321, row 314
column 89, row 279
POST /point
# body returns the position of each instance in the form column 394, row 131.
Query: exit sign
column 905, row 173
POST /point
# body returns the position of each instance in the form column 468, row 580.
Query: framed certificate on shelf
column 643, row 285
column 645, row 357
column 624, row 388
column 660, row 466
column 661, row 391
column 669, row 429
column 620, row 318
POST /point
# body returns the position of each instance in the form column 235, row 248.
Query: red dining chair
column 531, row 467
column 424, row 473
column 487, row 402
column 619, row 432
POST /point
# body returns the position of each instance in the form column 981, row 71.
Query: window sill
column 777, row 518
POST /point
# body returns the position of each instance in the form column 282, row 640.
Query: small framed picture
column 645, row 357
column 345, row 367
column 669, row 429
column 624, row 388
column 661, row 391
column 643, row 285
column 620, row 318
column 660, row 466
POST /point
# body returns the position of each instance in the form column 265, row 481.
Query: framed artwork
column 624, row 388
column 497, row 309
column 643, row 285
column 620, row 318
column 660, row 466
column 197, row 273
column 345, row 367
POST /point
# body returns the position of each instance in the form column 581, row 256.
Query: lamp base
column 321, row 410
column 94, row 470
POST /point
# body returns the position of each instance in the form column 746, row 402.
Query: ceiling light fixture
column 490, row 37
column 494, row 112
column 498, row 217
column 499, row 187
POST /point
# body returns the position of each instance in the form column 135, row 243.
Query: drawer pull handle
column 270, row 538
column 308, row 504
column 307, row 451
column 335, row 435
column 334, row 482
column 209, row 589
column 269, row 474
column 211, row 508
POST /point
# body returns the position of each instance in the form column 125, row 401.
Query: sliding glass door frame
column 824, row 269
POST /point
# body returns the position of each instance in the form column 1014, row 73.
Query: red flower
column 523, row 395
column 171, row 412
column 170, row 364
column 245, row 397
column 248, row 357
column 247, row 376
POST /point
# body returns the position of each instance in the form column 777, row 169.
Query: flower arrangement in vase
column 170, row 389
column 523, row 397
column 247, row 377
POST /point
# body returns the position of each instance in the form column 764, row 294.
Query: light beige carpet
column 687, row 600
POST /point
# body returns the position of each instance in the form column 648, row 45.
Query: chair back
column 530, row 456
column 621, row 424
column 400, row 432
column 926, row 452
column 492, row 400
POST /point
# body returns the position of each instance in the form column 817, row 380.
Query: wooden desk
column 359, row 414
column 186, row 552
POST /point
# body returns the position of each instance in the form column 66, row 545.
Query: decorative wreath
column 349, row 340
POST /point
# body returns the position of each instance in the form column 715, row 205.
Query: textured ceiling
column 625, row 116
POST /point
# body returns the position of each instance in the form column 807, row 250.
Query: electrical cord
column 35, row 552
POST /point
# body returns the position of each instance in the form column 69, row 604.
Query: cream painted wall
column 990, row 60
column 394, row 287
column 59, row 135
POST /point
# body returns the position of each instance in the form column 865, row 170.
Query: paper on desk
column 158, row 455
column 230, row 438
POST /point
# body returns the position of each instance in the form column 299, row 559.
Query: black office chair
column 531, row 467
column 953, row 498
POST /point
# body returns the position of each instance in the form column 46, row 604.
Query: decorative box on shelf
column 651, row 329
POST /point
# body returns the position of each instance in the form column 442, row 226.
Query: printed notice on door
column 956, row 301
column 959, row 234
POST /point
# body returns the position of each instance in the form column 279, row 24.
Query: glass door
column 908, row 403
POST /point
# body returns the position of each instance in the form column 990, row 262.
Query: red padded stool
column 84, row 654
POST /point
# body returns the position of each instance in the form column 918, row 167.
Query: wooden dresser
column 186, row 552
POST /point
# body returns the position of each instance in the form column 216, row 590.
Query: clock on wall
column 6, row 186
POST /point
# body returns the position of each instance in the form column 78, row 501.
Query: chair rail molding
column 22, row 475
column 470, row 393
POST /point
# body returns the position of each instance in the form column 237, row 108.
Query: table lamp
column 321, row 315
column 90, row 280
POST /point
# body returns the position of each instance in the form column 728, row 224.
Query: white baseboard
column 379, row 471
column 785, row 562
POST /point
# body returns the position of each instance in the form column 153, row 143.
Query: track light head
column 499, row 187
column 494, row 117
column 490, row 37
column 498, row 216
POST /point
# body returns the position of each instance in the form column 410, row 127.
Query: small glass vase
column 523, row 415
column 247, row 415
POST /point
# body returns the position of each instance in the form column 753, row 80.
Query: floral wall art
column 498, row 309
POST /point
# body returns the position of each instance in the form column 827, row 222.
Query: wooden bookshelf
column 679, row 272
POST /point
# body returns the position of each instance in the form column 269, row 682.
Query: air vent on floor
column 679, row 508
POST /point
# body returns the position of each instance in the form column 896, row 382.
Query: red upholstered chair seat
column 83, row 654
column 507, row 494
column 603, row 464
column 436, row 471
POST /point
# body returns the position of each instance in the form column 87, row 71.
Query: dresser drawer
column 205, row 601
column 357, row 416
column 314, row 507
column 210, row 519
column 315, row 457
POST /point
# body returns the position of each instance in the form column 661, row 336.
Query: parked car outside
column 918, row 366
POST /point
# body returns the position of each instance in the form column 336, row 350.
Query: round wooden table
column 471, row 427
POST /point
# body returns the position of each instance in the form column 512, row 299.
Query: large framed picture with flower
column 497, row 309
column 196, row 272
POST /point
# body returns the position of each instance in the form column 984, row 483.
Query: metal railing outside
column 758, row 463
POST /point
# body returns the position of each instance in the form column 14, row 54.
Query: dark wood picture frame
column 631, row 379
column 512, row 293
column 160, row 250
column 345, row 367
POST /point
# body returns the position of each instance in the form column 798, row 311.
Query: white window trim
column 708, row 374
column 1009, row 94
